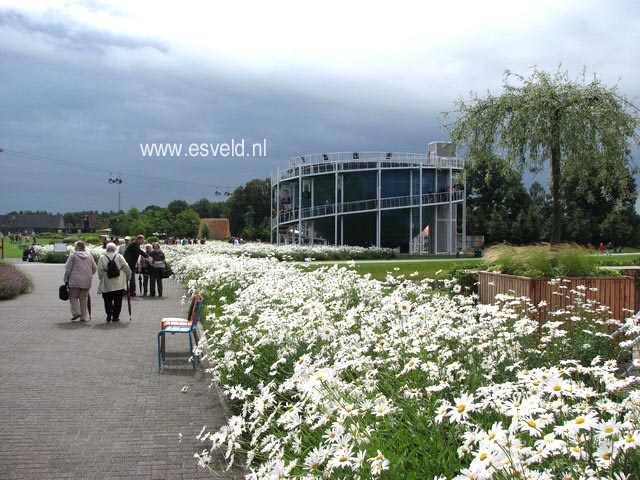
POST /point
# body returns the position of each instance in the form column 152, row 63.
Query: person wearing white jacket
column 112, row 289
column 78, row 273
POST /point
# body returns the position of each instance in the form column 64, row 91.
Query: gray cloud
column 90, row 97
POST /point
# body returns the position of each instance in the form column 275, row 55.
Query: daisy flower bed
column 330, row 374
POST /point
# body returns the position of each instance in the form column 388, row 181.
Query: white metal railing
column 291, row 214
column 318, row 163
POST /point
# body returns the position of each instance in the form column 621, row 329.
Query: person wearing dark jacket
column 158, row 264
column 145, row 270
column 131, row 255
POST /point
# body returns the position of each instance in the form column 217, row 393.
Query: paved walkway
column 86, row 400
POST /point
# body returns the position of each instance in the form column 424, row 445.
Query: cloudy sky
column 84, row 83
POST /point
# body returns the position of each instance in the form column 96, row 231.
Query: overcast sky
column 84, row 83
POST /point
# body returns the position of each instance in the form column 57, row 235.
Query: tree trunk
column 556, row 213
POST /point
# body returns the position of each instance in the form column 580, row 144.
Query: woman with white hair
column 114, row 274
column 78, row 274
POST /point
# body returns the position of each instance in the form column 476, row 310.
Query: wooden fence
column 617, row 293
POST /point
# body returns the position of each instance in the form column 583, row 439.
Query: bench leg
column 159, row 356
column 193, row 355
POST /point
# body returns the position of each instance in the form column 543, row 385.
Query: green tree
column 550, row 118
column 255, row 195
column 208, row 209
column 621, row 227
column 540, row 214
column 591, row 216
column 187, row 223
column 205, row 231
column 160, row 221
column 498, row 205
column 177, row 206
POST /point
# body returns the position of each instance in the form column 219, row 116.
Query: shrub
column 53, row 257
column 90, row 238
column 152, row 239
column 467, row 279
column 541, row 261
column 13, row 281
column 70, row 239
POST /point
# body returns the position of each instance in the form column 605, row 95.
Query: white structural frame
column 291, row 225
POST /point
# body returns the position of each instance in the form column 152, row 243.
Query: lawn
column 425, row 269
column 12, row 250
column 434, row 267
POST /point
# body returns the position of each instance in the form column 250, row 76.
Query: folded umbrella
column 129, row 299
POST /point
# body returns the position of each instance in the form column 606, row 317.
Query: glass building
column 411, row 202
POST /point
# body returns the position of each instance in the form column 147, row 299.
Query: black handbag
column 63, row 292
column 167, row 272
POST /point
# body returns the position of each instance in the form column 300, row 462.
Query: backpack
column 112, row 268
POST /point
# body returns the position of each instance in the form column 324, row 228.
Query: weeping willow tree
column 551, row 118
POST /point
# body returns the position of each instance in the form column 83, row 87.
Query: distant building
column 27, row 224
column 412, row 202
column 220, row 229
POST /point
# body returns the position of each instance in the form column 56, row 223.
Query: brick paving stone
column 87, row 400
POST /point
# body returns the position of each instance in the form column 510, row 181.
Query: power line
column 68, row 163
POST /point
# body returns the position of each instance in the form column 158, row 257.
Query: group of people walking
column 116, row 268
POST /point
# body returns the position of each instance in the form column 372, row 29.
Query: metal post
column 410, row 212
column 450, row 211
column 421, row 228
column 271, row 209
column 278, row 207
column 300, row 205
column 378, row 203
column 464, row 211
column 335, row 204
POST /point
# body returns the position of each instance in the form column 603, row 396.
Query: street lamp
column 116, row 180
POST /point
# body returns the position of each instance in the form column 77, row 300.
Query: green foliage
column 540, row 261
column 204, row 231
column 187, row 223
column 176, row 207
column 498, row 205
column 13, row 281
column 248, row 208
column 551, row 118
column 90, row 238
column 466, row 278
column 70, row 239
column 53, row 257
column 152, row 239
column 208, row 209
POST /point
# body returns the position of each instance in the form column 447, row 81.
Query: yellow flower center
column 483, row 456
column 492, row 436
column 557, row 388
column 461, row 408
column 579, row 420
column 531, row 423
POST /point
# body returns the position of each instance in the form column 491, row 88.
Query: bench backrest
column 197, row 309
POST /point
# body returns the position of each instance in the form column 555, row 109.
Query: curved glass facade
column 414, row 203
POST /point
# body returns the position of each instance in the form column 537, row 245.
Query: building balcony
column 322, row 163
column 289, row 214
